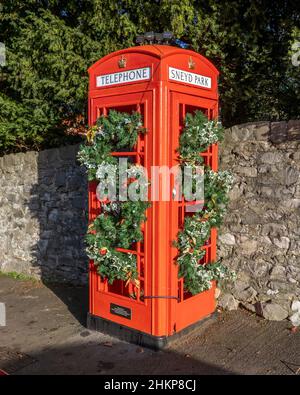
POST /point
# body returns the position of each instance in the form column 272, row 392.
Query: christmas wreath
column 119, row 224
column 197, row 135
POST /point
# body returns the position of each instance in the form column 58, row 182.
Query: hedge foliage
column 51, row 43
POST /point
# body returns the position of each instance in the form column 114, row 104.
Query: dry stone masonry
column 260, row 238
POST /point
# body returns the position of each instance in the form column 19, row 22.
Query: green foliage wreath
column 119, row 224
column 198, row 134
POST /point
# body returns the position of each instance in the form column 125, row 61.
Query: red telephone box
column 163, row 83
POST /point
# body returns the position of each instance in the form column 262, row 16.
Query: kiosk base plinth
column 139, row 338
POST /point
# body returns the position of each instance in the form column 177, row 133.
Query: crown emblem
column 191, row 63
column 122, row 62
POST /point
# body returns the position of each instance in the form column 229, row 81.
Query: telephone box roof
column 158, row 51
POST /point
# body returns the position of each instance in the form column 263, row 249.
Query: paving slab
column 45, row 333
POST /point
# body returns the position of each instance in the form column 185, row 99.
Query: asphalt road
column 45, row 334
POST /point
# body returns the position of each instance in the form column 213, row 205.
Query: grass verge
column 18, row 276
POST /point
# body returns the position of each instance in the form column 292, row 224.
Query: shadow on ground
column 75, row 299
column 120, row 359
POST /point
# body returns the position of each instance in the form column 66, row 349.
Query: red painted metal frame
column 163, row 104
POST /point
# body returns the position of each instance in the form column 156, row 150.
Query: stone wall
column 260, row 238
column 43, row 201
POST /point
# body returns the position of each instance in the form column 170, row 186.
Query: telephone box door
column 121, row 303
column 190, row 308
